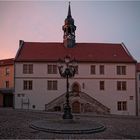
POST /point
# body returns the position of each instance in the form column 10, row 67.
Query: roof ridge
column 76, row 43
column 98, row 43
column 43, row 42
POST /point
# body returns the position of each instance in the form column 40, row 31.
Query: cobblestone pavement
column 14, row 124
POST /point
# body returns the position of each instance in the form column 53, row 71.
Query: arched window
column 75, row 87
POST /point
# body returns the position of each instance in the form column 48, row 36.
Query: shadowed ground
column 14, row 124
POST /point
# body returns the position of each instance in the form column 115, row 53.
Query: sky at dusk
column 96, row 21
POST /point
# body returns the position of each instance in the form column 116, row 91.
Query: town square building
column 105, row 80
column 6, row 82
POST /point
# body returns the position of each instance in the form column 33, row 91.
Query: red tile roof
column 6, row 62
column 138, row 67
column 83, row 52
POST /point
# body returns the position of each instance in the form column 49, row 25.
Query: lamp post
column 67, row 71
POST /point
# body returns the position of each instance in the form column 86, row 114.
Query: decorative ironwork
column 67, row 69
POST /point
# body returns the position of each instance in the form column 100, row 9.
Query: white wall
column 40, row 96
column 40, row 70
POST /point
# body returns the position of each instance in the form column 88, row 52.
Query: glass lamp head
column 74, row 63
column 60, row 63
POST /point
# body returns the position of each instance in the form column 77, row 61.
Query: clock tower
column 69, row 30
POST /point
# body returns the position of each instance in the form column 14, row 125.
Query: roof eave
column 78, row 61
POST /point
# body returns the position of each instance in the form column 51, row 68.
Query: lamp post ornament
column 67, row 72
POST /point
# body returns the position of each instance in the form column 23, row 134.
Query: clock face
column 69, row 36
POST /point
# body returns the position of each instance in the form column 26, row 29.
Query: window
column 101, row 69
column 27, row 85
column 121, row 85
column 20, row 95
column 75, row 87
column 122, row 106
column 52, row 85
column 121, row 70
column 52, row 69
column 92, row 69
column 27, row 68
column 7, row 71
column 102, row 85
column 7, row 84
column 131, row 97
column 83, row 85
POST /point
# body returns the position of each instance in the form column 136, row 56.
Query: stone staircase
column 88, row 103
column 95, row 105
column 59, row 101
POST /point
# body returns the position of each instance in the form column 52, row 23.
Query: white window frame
column 27, row 68
column 52, row 85
column 121, row 70
column 52, row 69
column 27, row 84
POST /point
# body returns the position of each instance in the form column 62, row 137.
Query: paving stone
column 14, row 124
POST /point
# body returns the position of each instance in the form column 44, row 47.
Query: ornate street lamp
column 67, row 71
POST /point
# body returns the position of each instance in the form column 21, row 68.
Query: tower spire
column 69, row 30
column 69, row 11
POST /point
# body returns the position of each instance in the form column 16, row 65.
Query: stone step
column 90, row 104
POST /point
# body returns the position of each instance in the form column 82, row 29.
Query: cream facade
column 40, row 96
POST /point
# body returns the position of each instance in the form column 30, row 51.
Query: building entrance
column 8, row 100
column 76, row 107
